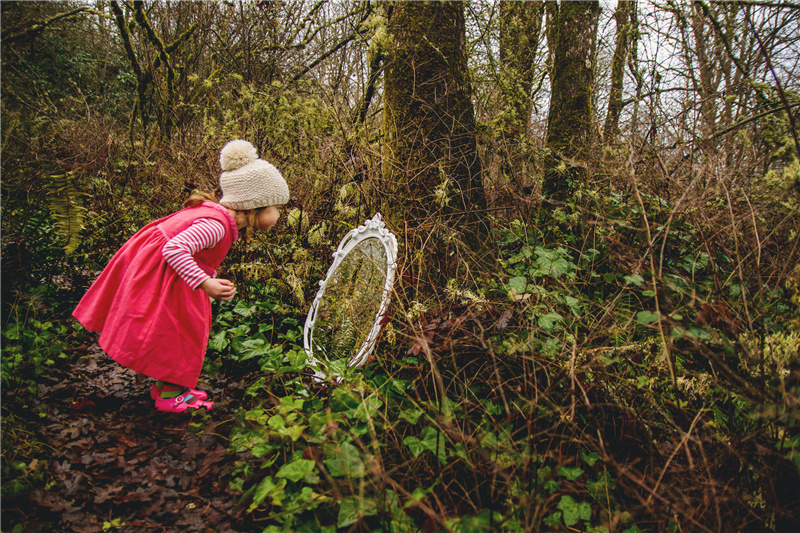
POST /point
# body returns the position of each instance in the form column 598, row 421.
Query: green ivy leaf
column 634, row 279
column 268, row 487
column 411, row 415
column 646, row 317
column 369, row 407
column 489, row 441
column 553, row 520
column 574, row 511
column 255, row 388
column 297, row 359
column 345, row 461
column 590, row 458
column 517, row 284
column 352, row 509
column 276, row 422
column 254, row 347
column 279, row 424
column 601, row 488
column 414, row 444
column 240, row 330
column 418, row 495
column 256, row 415
column 296, row 470
column 551, row 486
column 574, row 305
column 291, row 403
column 549, row 321
column 698, row 333
column 476, row 523
column 551, row 262
column 431, row 441
column 263, row 448
column 12, row 332
column 218, row 342
column 570, row 473
column 244, row 308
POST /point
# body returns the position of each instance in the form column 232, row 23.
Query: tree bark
column 551, row 29
column 571, row 132
column 625, row 16
column 520, row 27
column 432, row 171
column 709, row 81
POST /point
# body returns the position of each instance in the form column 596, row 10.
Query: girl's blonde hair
column 198, row 197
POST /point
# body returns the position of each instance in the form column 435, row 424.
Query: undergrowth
column 598, row 383
column 554, row 395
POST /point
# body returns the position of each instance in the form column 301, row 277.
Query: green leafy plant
column 31, row 346
column 264, row 332
column 64, row 193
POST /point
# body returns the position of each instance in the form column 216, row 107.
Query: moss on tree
column 571, row 132
column 432, row 172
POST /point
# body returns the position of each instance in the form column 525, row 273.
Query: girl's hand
column 219, row 289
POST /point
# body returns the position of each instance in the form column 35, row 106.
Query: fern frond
column 65, row 207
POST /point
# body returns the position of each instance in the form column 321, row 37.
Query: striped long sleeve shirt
column 179, row 251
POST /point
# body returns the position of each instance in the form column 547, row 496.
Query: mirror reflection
column 350, row 304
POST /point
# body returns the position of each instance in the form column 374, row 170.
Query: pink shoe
column 155, row 393
column 181, row 403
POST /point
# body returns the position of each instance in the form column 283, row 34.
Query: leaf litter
column 112, row 462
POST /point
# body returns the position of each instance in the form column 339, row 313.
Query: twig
column 680, row 445
column 636, row 480
column 667, row 353
column 781, row 92
column 740, row 260
column 333, row 50
column 781, row 5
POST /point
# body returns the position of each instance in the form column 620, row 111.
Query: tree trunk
column 708, row 82
column 520, row 26
column 551, row 29
column 571, row 132
column 624, row 16
column 432, row 171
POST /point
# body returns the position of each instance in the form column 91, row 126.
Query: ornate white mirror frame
column 373, row 228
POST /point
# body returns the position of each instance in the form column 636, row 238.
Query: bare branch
column 781, row 5
column 39, row 27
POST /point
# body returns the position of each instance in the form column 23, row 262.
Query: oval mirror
column 345, row 318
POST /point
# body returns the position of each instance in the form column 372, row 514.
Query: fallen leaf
column 505, row 318
column 102, row 494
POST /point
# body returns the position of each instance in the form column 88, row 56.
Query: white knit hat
column 248, row 182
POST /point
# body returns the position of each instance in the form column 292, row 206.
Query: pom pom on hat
column 248, row 182
column 237, row 154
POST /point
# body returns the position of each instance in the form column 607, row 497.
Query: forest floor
column 117, row 464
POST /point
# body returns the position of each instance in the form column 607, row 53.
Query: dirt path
column 115, row 460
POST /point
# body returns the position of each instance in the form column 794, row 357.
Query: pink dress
column 149, row 319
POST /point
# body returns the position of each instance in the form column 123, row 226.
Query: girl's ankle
column 170, row 390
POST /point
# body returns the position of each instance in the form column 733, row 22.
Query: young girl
column 151, row 303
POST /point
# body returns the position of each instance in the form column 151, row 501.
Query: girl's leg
column 165, row 389
column 169, row 390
